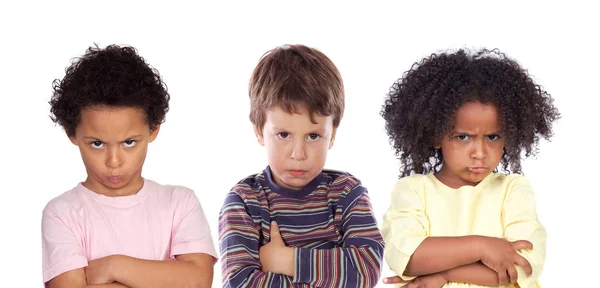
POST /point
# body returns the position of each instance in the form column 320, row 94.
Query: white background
column 206, row 54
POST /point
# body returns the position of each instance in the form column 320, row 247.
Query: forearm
column 436, row 254
column 110, row 285
column 475, row 273
column 332, row 267
column 259, row 279
column 243, row 270
column 136, row 273
column 357, row 262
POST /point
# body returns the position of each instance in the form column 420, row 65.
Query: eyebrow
column 471, row 134
column 98, row 139
column 320, row 131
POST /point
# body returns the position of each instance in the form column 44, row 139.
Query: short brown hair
column 296, row 78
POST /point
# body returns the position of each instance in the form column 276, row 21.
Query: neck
column 131, row 188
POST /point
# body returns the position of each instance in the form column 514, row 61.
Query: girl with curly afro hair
column 111, row 104
column 462, row 215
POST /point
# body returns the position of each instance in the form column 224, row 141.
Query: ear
column 259, row 135
column 154, row 133
column 73, row 140
column 332, row 138
column 437, row 144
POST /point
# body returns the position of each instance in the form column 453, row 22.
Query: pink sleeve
column 61, row 249
column 191, row 233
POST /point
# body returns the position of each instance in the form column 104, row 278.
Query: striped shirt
column 330, row 224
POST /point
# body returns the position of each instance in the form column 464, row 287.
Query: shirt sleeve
column 239, row 244
column 191, row 233
column 405, row 225
column 357, row 263
column 61, row 242
column 521, row 223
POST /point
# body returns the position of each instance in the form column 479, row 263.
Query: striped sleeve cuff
column 302, row 267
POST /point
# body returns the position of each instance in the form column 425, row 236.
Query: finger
column 394, row 280
column 502, row 278
column 275, row 230
column 522, row 244
column 521, row 261
column 512, row 274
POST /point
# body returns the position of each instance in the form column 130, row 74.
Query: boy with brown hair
column 295, row 224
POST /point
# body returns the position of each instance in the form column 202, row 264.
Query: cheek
column 451, row 150
column 276, row 150
column 93, row 160
column 319, row 150
column 137, row 156
column 498, row 151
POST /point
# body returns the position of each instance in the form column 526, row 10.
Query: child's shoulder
column 64, row 202
column 342, row 178
column 343, row 185
column 249, row 186
column 169, row 190
column 416, row 180
column 508, row 181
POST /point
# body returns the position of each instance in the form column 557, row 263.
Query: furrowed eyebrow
column 98, row 139
column 92, row 138
column 462, row 133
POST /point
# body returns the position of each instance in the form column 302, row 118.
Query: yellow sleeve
column 405, row 224
column 521, row 223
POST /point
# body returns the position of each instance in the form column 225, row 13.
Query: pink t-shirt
column 157, row 223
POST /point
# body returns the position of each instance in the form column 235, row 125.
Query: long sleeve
column 520, row 222
column 357, row 263
column 405, row 226
column 239, row 244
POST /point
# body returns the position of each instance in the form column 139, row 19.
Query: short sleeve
column 521, row 223
column 405, row 225
column 191, row 232
column 62, row 250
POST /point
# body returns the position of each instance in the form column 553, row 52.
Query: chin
column 296, row 183
column 119, row 185
column 474, row 179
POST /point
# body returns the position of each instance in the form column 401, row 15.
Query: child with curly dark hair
column 462, row 215
column 117, row 229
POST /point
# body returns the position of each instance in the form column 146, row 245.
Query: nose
column 114, row 158
column 478, row 150
column 299, row 153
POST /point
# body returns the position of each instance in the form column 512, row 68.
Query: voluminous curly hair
column 420, row 108
column 112, row 77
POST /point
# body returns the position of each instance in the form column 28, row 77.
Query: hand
column 274, row 256
column 436, row 280
column 501, row 256
column 395, row 280
column 100, row 271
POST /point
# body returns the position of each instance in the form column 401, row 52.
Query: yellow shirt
column 499, row 206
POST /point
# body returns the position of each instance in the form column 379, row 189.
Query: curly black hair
column 115, row 76
column 420, row 108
